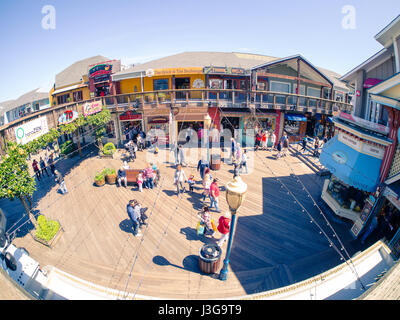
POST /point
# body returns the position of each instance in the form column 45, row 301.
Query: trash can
column 210, row 258
column 215, row 162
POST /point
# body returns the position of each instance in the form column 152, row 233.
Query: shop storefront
column 128, row 121
column 159, row 123
column 295, row 126
column 100, row 81
column 355, row 164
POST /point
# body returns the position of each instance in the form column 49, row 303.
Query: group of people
column 265, row 140
column 145, row 177
column 137, row 216
column 207, row 223
column 317, row 145
column 48, row 162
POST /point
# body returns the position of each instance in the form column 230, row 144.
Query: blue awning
column 295, row 117
column 350, row 166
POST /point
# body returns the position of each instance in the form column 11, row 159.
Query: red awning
column 370, row 82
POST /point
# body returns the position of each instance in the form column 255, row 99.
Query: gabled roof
column 202, row 59
column 29, row 97
column 73, row 74
column 385, row 36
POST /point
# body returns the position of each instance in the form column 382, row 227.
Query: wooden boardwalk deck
column 275, row 244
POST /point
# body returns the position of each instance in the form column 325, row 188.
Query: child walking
column 191, row 182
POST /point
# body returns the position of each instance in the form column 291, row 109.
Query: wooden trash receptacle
column 215, row 162
column 210, row 258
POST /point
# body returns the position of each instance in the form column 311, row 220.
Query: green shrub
column 68, row 147
column 46, row 229
column 109, row 148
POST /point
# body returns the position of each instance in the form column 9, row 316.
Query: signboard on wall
column 67, row 117
column 90, row 108
column 362, row 146
column 31, row 130
column 224, row 70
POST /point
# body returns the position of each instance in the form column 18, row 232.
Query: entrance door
column 182, row 83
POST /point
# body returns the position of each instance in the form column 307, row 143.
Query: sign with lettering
column 350, row 141
column 224, row 70
column 68, row 117
column 364, row 123
column 90, row 108
column 129, row 115
column 100, row 70
column 31, row 130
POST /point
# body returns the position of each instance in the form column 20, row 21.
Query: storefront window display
column 346, row 196
column 292, row 128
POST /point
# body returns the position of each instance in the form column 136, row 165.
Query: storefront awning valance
column 295, row 117
column 350, row 166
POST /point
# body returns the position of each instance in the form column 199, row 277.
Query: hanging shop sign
column 158, row 120
column 31, row 130
column 129, row 115
column 224, row 70
column 90, row 108
column 68, row 117
column 100, row 70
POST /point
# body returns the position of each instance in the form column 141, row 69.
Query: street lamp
column 207, row 125
column 235, row 194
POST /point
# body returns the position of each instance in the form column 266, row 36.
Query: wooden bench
column 132, row 174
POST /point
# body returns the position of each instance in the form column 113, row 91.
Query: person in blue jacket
column 201, row 166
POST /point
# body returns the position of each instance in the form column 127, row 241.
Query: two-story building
column 364, row 155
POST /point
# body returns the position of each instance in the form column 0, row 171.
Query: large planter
column 52, row 242
column 100, row 180
column 111, row 178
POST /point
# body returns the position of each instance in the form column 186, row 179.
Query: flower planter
column 52, row 242
column 100, row 182
column 111, row 178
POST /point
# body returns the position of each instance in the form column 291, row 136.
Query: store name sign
column 100, row 70
column 31, row 130
column 364, row 123
column 363, row 147
column 224, row 70
column 90, row 108
column 68, row 117
column 172, row 71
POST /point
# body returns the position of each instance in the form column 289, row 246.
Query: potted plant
column 99, row 179
column 110, row 175
column 108, row 150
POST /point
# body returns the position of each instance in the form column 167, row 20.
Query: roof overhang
column 369, row 64
column 306, row 68
column 390, row 32
column 69, row 88
column 385, row 86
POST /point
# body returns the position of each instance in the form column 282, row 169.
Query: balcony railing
column 213, row 97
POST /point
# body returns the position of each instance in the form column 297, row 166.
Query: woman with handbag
column 205, row 219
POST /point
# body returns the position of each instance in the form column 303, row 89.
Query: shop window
column 280, row 86
column 326, row 93
column 160, row 84
column 77, row 96
column 63, row 98
column 216, row 84
column 313, row 92
column 292, row 128
column 347, row 196
column 242, row 84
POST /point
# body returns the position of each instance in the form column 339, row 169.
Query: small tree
column 99, row 121
column 15, row 179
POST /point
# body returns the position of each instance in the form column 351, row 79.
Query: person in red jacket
column 224, row 223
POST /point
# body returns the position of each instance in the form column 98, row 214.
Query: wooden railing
column 183, row 97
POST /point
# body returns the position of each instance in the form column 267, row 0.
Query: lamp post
column 207, row 124
column 235, row 194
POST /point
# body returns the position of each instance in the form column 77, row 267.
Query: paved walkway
column 277, row 241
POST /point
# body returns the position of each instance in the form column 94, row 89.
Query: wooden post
column 298, row 83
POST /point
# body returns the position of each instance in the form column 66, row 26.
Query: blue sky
column 138, row 31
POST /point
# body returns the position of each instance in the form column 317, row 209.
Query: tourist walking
column 233, row 149
column 132, row 214
column 304, row 145
column 316, row 147
column 258, row 141
column 206, row 183
column 132, row 151
column 272, row 139
column 285, row 145
column 179, row 178
column 205, row 219
column 43, row 167
column 181, row 156
column 201, row 166
column 238, row 154
column 60, row 180
column 264, row 141
column 121, row 176
column 279, row 148
column 214, row 194
column 36, row 169
column 243, row 163
column 223, row 227
column 191, row 182
column 51, row 163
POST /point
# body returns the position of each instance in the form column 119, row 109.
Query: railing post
column 218, row 98
column 274, row 100
column 233, row 97
column 187, row 96
column 261, row 98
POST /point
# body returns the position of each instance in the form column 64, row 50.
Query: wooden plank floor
column 275, row 244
